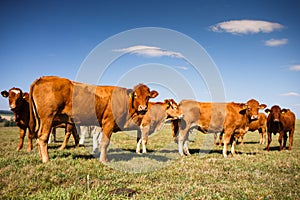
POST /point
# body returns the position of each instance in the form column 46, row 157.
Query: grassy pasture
column 74, row 173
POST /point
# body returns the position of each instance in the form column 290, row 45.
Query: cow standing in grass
column 18, row 103
column 280, row 121
column 154, row 119
column 231, row 118
column 109, row 107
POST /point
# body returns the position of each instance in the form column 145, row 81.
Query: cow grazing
column 109, row 107
column 155, row 118
column 230, row 118
column 18, row 103
column 280, row 121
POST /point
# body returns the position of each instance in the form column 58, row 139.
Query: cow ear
column 262, row 106
column 153, row 94
column 244, row 108
column 283, row 110
column 26, row 96
column 268, row 111
column 4, row 93
column 129, row 92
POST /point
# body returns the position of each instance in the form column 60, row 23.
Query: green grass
column 161, row 174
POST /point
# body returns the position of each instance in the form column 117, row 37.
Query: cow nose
column 276, row 120
column 142, row 108
column 12, row 106
column 254, row 117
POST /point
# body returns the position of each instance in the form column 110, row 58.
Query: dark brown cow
column 280, row 121
column 109, row 107
column 155, row 118
column 18, row 103
column 230, row 118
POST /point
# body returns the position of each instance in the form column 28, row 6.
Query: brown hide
column 107, row 106
column 230, row 118
column 18, row 103
column 280, row 121
column 155, row 118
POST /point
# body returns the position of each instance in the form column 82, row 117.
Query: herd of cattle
column 58, row 102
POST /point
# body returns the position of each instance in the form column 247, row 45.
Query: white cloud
column 290, row 94
column 295, row 68
column 276, row 42
column 246, row 26
column 150, row 51
column 182, row 67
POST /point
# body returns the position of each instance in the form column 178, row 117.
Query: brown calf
column 155, row 118
column 109, row 107
column 280, row 121
column 18, row 103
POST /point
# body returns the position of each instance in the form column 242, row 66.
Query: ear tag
column 130, row 95
column 282, row 112
column 268, row 112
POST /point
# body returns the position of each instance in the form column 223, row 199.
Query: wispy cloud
column 291, row 94
column 294, row 68
column 246, row 26
column 149, row 51
column 182, row 67
column 276, row 42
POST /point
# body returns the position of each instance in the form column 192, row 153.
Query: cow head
column 275, row 113
column 172, row 109
column 140, row 96
column 15, row 98
column 252, row 106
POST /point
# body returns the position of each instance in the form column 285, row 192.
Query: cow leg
column 22, row 135
column 215, row 139
column 105, row 140
column 75, row 134
column 175, row 128
column 42, row 140
column 186, row 147
column 280, row 140
column 227, row 137
column 285, row 136
column 145, row 133
column 181, row 140
column 291, row 136
column 30, row 137
column 66, row 138
column 233, row 147
column 242, row 136
column 220, row 139
column 269, row 140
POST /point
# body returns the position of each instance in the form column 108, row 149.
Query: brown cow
column 230, row 118
column 19, row 104
column 260, row 124
column 109, row 107
column 155, row 118
column 280, row 121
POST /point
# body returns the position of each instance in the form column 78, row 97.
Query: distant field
column 160, row 174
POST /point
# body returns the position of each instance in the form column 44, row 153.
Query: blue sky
column 254, row 45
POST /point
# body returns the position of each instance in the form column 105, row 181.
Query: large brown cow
column 155, row 118
column 109, row 107
column 280, row 121
column 19, row 104
column 230, row 118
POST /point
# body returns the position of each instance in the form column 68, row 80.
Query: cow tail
column 34, row 118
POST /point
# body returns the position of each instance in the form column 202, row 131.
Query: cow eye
column 135, row 96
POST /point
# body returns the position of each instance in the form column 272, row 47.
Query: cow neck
column 132, row 111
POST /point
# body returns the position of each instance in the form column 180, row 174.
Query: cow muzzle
column 142, row 108
column 254, row 117
column 276, row 120
column 12, row 107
